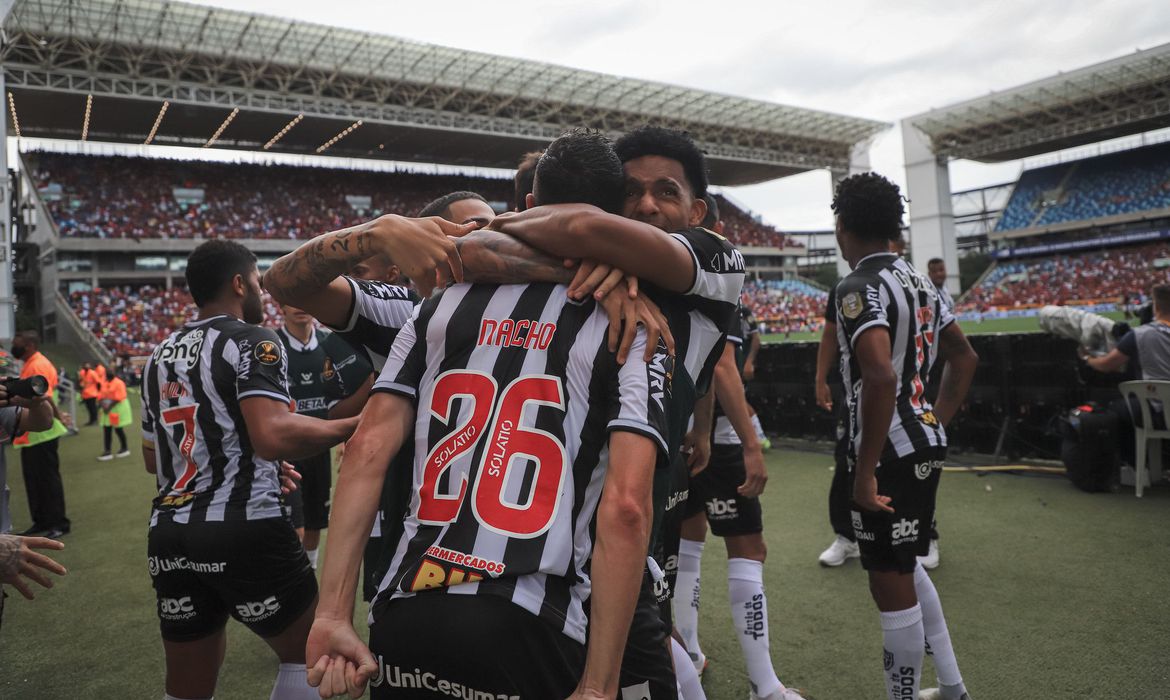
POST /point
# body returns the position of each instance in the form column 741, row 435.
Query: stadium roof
column 410, row 101
column 1124, row 96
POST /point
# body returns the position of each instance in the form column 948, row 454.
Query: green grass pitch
column 1049, row 592
column 994, row 325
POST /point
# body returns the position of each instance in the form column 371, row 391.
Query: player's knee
column 750, row 546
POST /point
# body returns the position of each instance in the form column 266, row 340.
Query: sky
column 883, row 60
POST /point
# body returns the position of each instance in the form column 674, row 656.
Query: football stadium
column 245, row 251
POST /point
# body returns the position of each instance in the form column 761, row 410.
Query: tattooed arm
column 309, row 278
column 496, row 258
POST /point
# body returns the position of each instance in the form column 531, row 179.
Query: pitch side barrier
column 1024, row 384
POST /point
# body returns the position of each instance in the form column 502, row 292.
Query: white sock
column 904, row 646
column 749, row 617
column 312, row 554
column 759, row 429
column 689, row 687
column 938, row 639
column 292, row 683
column 686, row 598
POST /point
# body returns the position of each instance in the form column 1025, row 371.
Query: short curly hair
column 668, row 143
column 870, row 207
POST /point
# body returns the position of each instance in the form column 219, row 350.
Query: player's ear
column 239, row 286
column 698, row 211
column 529, row 200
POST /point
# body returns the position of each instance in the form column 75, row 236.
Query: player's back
column 886, row 290
column 192, row 386
column 516, row 394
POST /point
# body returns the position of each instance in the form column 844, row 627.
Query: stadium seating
column 1109, row 185
column 740, row 227
column 134, row 198
column 130, row 321
column 116, row 197
column 1103, row 275
column 785, row 306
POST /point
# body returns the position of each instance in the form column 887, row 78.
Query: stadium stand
column 135, row 198
column 118, row 197
column 130, row 321
column 1119, row 183
column 1101, row 276
column 740, row 227
column 785, row 306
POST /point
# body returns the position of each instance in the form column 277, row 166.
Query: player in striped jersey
column 216, row 418
column 489, row 585
column 892, row 327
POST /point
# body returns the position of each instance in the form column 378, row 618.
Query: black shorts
column 671, row 534
column 256, row 571
column 294, row 507
column 316, row 481
column 647, row 669
column 442, row 645
column 894, row 541
column 715, row 489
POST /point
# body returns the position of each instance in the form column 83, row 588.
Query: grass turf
column 1029, row 324
column 1049, row 593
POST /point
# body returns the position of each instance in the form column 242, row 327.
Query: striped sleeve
column 377, row 311
column 643, row 390
column 147, row 410
column 860, row 305
column 262, row 365
column 719, row 267
column 406, row 362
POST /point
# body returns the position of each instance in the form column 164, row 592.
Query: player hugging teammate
column 522, row 441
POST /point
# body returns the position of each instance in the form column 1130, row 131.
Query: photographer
column 17, row 560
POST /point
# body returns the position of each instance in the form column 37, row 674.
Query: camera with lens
column 33, row 387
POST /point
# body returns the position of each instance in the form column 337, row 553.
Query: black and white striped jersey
column 192, row 386
column 739, row 335
column 699, row 319
column 884, row 290
column 516, row 395
column 378, row 311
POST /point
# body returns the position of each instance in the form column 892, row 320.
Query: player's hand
column 19, row 562
column 697, row 447
column 824, row 396
column 755, row 471
column 595, row 278
column 341, row 662
column 290, row 478
column 865, row 495
column 625, row 315
column 422, row 248
column 749, row 371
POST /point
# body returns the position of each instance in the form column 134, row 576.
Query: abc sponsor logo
column 722, row 510
column 176, row 608
column 904, row 531
column 254, row 612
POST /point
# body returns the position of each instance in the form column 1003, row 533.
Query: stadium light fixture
column 335, row 139
column 85, row 124
column 12, row 111
column 224, row 125
column 280, row 134
column 157, row 120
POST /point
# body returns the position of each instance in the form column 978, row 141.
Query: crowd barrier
column 1024, row 384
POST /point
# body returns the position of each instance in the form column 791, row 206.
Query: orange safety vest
column 114, row 390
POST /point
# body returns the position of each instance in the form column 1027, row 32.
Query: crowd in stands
column 1119, row 183
column 785, row 306
column 1112, row 274
column 134, row 198
column 740, row 227
column 130, row 321
column 119, row 197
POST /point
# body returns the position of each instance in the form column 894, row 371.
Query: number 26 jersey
column 516, row 395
